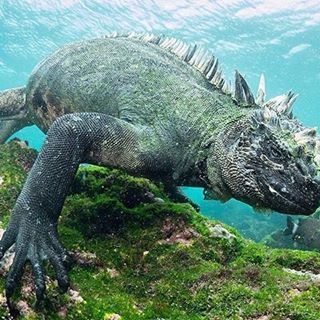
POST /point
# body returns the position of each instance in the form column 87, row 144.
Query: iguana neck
column 220, row 149
column 222, row 123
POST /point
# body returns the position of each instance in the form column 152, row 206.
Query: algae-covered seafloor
column 137, row 255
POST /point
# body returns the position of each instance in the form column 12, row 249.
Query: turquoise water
column 278, row 38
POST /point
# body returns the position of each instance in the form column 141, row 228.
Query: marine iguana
column 305, row 233
column 156, row 107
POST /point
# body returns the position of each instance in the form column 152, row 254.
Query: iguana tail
column 13, row 112
column 13, row 104
column 9, row 127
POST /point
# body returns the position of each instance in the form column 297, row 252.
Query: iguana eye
column 275, row 153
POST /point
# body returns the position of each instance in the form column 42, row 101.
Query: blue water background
column 278, row 38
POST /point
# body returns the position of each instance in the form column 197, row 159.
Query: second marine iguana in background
column 154, row 107
column 304, row 233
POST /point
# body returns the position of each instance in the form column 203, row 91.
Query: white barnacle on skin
column 76, row 118
column 272, row 190
column 26, row 207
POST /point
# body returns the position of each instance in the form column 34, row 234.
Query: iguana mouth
column 286, row 199
column 291, row 202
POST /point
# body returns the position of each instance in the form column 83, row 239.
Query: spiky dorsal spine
column 200, row 59
column 243, row 93
column 261, row 93
column 208, row 65
column 281, row 104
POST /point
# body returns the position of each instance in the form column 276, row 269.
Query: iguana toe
column 38, row 274
column 8, row 239
column 16, row 268
column 60, row 269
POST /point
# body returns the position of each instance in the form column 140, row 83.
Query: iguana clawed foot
column 35, row 240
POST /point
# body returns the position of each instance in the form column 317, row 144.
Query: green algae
column 155, row 259
column 15, row 161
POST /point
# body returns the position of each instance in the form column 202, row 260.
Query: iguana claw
column 34, row 242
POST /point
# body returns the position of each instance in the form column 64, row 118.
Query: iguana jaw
column 261, row 194
column 301, row 197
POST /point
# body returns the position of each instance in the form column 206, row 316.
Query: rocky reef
column 138, row 255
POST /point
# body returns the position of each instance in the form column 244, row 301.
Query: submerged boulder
column 16, row 159
column 136, row 257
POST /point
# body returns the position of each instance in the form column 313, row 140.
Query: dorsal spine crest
column 208, row 65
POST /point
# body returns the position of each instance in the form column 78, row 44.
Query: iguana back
column 128, row 78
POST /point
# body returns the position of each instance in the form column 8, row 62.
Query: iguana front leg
column 72, row 139
column 176, row 195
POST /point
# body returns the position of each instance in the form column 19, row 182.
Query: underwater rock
column 16, row 160
column 304, row 232
column 309, row 274
column 278, row 239
column 112, row 316
column 24, row 157
column 131, row 196
column 218, row 231
column 85, row 259
column 163, row 260
column 176, row 232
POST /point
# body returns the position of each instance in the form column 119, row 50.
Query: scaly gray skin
column 12, row 111
column 158, row 108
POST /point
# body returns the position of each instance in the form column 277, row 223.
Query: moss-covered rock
column 139, row 256
column 16, row 160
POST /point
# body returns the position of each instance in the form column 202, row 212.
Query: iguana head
column 269, row 160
